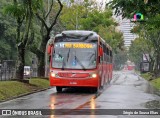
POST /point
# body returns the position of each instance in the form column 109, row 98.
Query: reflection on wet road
column 126, row 91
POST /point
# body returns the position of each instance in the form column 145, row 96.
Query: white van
column 27, row 71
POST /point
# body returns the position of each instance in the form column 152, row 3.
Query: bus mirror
column 100, row 51
column 49, row 49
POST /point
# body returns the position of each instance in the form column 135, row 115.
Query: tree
column 127, row 8
column 7, row 31
column 45, row 30
column 139, row 47
column 148, row 30
column 22, row 12
column 113, row 38
column 120, row 58
column 78, row 11
column 85, row 17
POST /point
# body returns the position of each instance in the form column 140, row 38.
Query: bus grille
column 74, row 75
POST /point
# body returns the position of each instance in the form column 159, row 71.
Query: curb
column 22, row 95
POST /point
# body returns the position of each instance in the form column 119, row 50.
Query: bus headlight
column 93, row 75
column 53, row 74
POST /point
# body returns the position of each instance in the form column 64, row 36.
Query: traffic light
column 138, row 17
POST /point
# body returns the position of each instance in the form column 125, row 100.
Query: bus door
column 100, row 64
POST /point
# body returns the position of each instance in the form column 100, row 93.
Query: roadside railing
column 10, row 74
column 7, row 74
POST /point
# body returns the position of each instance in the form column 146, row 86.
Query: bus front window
column 74, row 58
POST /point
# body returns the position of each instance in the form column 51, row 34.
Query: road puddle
column 89, row 105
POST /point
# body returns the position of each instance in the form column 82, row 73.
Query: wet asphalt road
column 126, row 91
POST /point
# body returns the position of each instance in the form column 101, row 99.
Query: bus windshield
column 74, row 55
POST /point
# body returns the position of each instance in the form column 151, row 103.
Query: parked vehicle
column 27, row 71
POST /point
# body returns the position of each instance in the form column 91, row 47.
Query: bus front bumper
column 89, row 82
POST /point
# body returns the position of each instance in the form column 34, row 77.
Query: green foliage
column 7, row 37
column 156, row 83
column 96, row 19
column 153, row 23
column 120, row 58
column 139, row 47
column 72, row 15
column 37, row 5
column 127, row 8
column 112, row 37
column 147, row 76
column 4, row 49
column 147, row 30
column 15, row 10
column 85, row 17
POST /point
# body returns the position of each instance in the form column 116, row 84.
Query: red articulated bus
column 79, row 59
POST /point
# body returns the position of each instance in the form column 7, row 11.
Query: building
column 126, row 26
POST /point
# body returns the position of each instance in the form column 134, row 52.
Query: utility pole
column 76, row 20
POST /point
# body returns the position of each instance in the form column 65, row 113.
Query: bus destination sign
column 75, row 45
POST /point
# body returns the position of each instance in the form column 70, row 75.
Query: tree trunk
column 20, row 63
column 41, row 65
column 41, row 56
column 156, row 67
column 45, row 37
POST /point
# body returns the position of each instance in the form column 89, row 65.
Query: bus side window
column 110, row 56
column 49, row 58
column 100, row 59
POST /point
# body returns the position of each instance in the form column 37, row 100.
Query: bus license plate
column 73, row 83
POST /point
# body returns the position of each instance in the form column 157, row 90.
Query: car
column 27, row 71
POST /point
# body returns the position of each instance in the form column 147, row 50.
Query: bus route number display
column 78, row 45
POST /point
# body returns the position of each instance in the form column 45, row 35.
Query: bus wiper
column 63, row 63
column 68, row 54
column 86, row 37
column 93, row 54
column 80, row 63
column 67, row 59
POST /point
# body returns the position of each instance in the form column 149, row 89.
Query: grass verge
column 41, row 83
column 146, row 76
column 10, row 89
column 154, row 82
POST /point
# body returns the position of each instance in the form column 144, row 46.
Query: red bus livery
column 79, row 59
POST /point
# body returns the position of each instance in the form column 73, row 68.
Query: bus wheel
column 94, row 90
column 59, row 89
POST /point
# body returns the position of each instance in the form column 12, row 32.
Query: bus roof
column 78, row 33
column 81, row 33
